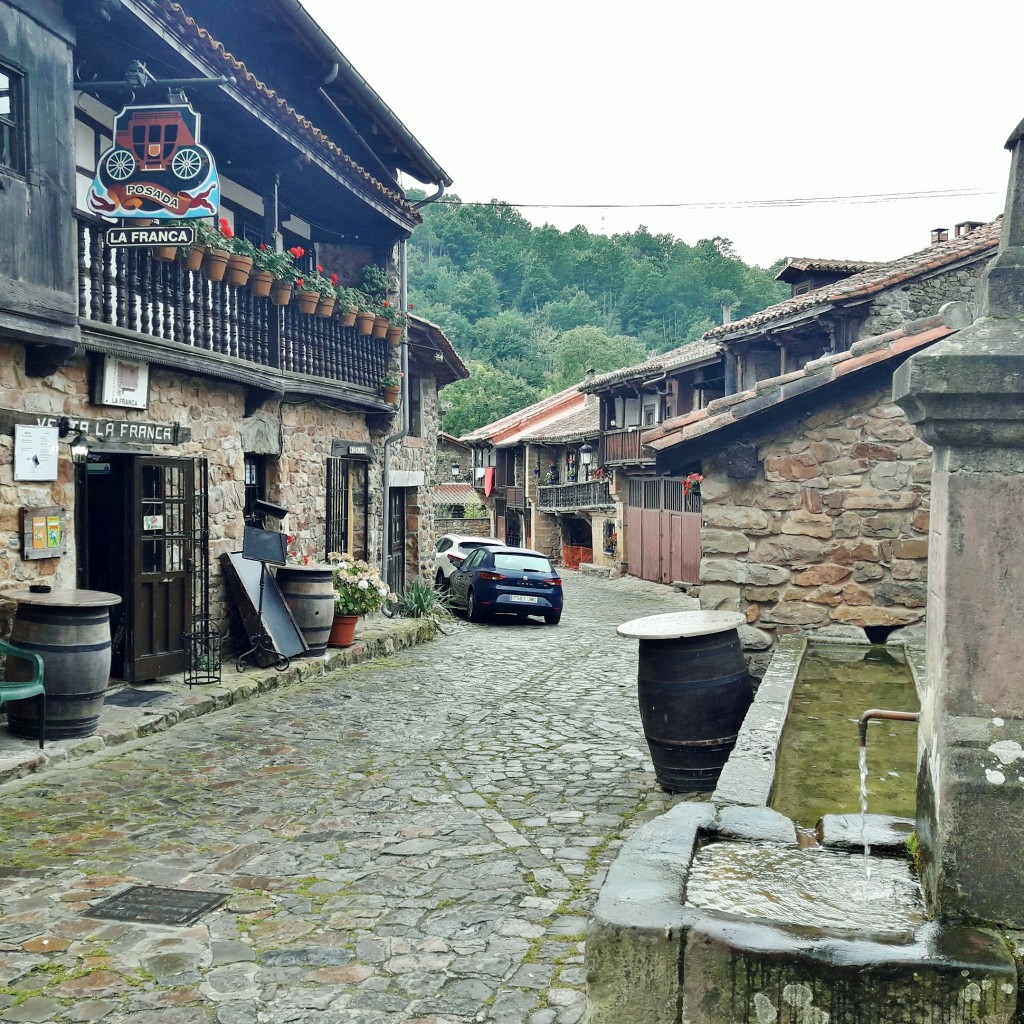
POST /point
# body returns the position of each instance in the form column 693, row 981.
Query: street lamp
column 587, row 455
column 456, row 471
column 80, row 448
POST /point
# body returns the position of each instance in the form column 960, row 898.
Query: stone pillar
column 966, row 394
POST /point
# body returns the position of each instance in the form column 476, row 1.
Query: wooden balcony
column 622, row 446
column 158, row 311
column 573, row 497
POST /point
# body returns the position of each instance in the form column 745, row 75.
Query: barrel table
column 70, row 631
column 694, row 689
column 308, row 590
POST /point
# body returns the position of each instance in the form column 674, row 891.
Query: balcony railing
column 129, row 290
column 563, row 497
column 619, row 446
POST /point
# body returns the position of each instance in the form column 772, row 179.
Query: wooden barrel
column 308, row 590
column 74, row 644
column 694, row 692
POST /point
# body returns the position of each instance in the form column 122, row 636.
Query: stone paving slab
column 412, row 839
column 155, row 706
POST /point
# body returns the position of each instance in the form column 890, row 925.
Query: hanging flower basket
column 165, row 253
column 391, row 395
column 306, row 301
column 364, row 323
column 348, row 317
column 325, row 307
column 394, row 335
column 380, row 326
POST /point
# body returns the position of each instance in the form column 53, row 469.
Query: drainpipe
column 403, row 431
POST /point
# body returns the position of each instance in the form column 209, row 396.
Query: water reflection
column 816, row 888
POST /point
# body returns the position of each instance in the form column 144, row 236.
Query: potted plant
column 366, row 316
column 691, row 483
column 358, row 589
column 328, row 293
column 261, row 280
column 397, row 322
column 167, row 253
column 348, row 302
column 390, row 386
column 283, row 269
column 217, row 248
column 376, row 284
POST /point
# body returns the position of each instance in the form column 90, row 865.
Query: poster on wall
column 156, row 167
column 124, row 383
column 35, row 452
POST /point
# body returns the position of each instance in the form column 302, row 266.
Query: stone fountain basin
column 661, row 951
column 654, row 959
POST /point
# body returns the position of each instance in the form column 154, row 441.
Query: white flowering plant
column 358, row 587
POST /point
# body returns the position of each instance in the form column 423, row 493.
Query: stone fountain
column 661, row 952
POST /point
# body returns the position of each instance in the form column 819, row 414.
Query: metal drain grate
column 151, row 904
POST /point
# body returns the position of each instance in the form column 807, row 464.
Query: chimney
column 966, row 226
column 940, row 235
column 726, row 313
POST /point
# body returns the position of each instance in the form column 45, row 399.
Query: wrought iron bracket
column 138, row 77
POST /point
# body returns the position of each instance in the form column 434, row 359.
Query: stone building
column 816, row 490
column 191, row 398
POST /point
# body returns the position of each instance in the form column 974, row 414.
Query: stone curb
column 174, row 702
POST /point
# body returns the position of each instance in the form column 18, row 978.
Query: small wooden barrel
column 308, row 590
column 693, row 689
column 74, row 644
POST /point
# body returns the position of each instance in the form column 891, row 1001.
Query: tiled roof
column 453, row 493
column 977, row 243
column 693, row 352
column 807, row 265
column 538, row 414
column 585, row 422
column 193, row 33
column 819, row 373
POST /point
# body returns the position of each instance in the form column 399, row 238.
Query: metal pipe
column 894, row 716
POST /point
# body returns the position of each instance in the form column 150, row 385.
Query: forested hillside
column 531, row 308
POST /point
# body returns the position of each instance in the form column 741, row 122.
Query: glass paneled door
column 160, row 598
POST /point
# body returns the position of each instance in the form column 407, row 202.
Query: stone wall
column 923, row 297
column 831, row 535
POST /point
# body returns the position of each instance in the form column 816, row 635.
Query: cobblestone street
column 417, row 838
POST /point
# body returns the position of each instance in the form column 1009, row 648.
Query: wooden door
column 396, row 540
column 159, row 602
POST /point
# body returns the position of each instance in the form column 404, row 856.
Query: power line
column 869, row 197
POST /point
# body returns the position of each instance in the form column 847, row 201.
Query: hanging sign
column 156, row 167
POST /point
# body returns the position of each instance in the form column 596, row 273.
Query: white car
column 451, row 550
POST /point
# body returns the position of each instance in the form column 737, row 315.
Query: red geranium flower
column 263, row 246
column 225, row 228
column 297, row 251
column 334, row 279
column 319, row 268
column 301, row 283
column 411, row 306
column 387, row 303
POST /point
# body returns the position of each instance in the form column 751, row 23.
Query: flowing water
column 818, row 771
column 817, row 888
column 864, row 809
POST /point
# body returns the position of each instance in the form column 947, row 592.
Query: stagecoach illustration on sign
column 156, row 168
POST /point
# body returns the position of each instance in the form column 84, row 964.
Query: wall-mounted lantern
column 456, row 471
column 587, row 455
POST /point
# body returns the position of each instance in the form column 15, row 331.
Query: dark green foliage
column 534, row 307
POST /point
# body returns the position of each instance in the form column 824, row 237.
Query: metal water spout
column 894, row 716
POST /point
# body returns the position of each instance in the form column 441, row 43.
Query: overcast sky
column 550, row 103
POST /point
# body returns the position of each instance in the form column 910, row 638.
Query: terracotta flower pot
column 364, row 323
column 239, row 269
column 165, row 253
column 325, row 307
column 215, row 264
column 348, row 317
column 280, row 293
column 391, row 395
column 194, row 258
column 380, row 326
column 260, row 283
column 306, row 301
column 394, row 335
column 343, row 630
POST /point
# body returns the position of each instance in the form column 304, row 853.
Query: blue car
column 507, row 581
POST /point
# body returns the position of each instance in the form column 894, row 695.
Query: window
column 416, row 407
column 255, row 486
column 338, row 512
column 12, row 120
